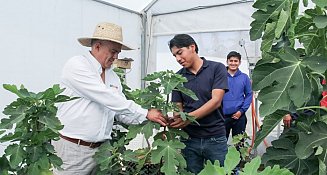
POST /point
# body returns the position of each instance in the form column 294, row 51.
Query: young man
column 208, row 80
column 88, row 120
column 239, row 97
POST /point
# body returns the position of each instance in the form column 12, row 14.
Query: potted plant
column 162, row 156
column 31, row 125
column 288, row 78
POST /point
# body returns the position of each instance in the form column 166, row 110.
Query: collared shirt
column 212, row 75
column 90, row 118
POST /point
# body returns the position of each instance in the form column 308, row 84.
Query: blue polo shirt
column 212, row 75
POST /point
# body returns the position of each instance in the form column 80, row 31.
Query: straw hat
column 106, row 31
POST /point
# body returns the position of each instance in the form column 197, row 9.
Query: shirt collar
column 95, row 63
column 204, row 65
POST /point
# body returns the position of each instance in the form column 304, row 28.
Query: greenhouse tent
column 37, row 37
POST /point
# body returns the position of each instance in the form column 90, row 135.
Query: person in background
column 239, row 97
column 208, row 80
column 88, row 120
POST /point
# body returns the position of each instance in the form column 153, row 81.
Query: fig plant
column 162, row 156
column 31, row 125
column 288, row 78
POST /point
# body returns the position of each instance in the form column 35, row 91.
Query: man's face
column 108, row 52
column 184, row 56
column 233, row 63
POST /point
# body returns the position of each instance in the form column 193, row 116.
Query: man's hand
column 237, row 115
column 179, row 123
column 287, row 120
column 156, row 116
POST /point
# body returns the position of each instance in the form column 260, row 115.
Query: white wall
column 213, row 46
column 38, row 36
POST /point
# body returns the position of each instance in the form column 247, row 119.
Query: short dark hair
column 182, row 40
column 234, row 54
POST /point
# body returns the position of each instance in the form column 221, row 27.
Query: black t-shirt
column 212, row 75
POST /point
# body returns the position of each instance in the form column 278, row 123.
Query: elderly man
column 88, row 120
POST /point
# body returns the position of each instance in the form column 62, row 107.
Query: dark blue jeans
column 199, row 150
column 237, row 126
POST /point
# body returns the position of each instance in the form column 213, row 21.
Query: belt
column 81, row 142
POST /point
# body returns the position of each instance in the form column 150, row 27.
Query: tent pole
column 143, row 49
column 117, row 6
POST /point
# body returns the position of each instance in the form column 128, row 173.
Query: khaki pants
column 77, row 159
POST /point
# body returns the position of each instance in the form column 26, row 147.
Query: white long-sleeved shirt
column 90, row 118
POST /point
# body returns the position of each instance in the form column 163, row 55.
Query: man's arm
column 247, row 99
column 247, row 95
column 211, row 105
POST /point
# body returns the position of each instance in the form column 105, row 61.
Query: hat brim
column 87, row 42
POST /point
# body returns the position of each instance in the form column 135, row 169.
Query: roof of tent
column 159, row 7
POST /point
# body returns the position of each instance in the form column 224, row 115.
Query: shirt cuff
column 142, row 113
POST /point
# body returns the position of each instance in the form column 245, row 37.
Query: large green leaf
column 320, row 3
column 282, row 152
column 267, row 10
column 269, row 123
column 282, row 21
column 187, row 92
column 51, row 122
column 312, row 38
column 16, row 154
column 322, row 162
column 55, row 161
column 252, row 167
column 309, row 141
column 56, row 89
column 316, row 63
column 169, row 84
column 212, row 169
column 146, row 129
column 35, row 153
column 4, row 165
column 268, row 37
column 281, row 83
column 303, row 25
column 232, row 159
column 169, row 152
column 13, row 89
column 276, row 170
column 16, row 115
column 320, row 21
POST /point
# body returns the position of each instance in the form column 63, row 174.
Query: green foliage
column 309, row 141
column 168, row 153
column 251, row 168
column 240, row 142
column 30, row 126
column 288, row 80
column 164, row 154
